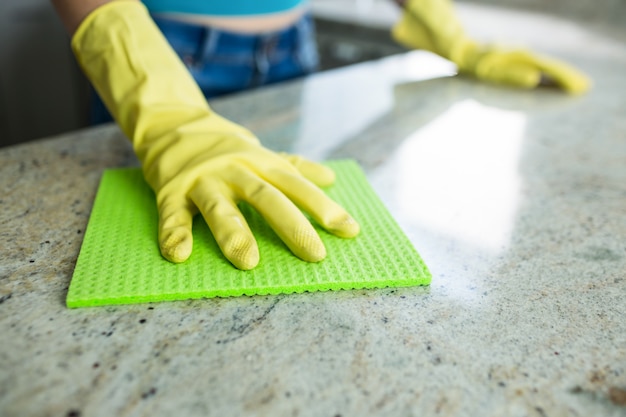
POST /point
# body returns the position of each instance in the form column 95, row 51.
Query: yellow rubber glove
column 194, row 159
column 432, row 25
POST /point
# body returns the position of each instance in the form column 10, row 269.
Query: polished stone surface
column 516, row 200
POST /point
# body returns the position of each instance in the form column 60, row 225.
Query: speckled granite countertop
column 516, row 200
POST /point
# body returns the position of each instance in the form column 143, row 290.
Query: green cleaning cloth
column 120, row 262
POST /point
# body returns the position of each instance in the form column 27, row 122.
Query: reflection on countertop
column 515, row 199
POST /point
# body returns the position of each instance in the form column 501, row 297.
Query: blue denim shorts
column 224, row 62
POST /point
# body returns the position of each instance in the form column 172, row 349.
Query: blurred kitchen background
column 43, row 93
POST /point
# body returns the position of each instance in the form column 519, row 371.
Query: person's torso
column 247, row 16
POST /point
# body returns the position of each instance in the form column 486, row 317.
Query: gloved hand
column 432, row 25
column 194, row 159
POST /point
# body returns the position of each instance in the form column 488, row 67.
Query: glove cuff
column 139, row 77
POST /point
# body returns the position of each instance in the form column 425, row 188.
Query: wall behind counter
column 42, row 91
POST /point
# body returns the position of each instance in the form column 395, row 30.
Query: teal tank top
column 221, row 7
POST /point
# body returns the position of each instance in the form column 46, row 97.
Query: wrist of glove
column 195, row 160
column 432, row 25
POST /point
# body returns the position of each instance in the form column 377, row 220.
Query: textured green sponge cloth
column 120, row 262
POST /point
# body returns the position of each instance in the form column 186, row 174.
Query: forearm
column 72, row 12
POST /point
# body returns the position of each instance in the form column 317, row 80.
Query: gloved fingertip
column 241, row 250
column 176, row 245
column 578, row 90
column 574, row 84
column 345, row 227
column 318, row 174
column 245, row 263
column 577, row 86
column 307, row 245
column 564, row 75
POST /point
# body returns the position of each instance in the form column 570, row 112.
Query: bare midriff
column 242, row 24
